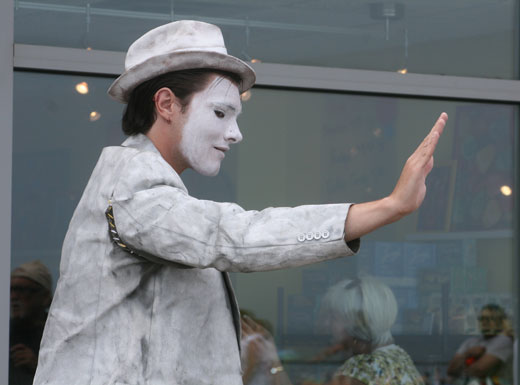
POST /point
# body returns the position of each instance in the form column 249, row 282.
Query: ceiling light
column 94, row 115
column 82, row 88
column 506, row 190
column 403, row 71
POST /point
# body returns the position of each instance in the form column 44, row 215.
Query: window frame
column 6, row 141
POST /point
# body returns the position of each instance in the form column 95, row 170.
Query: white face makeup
column 211, row 126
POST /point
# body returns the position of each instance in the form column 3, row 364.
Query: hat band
column 219, row 49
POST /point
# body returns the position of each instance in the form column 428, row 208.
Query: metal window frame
column 108, row 63
column 294, row 76
column 6, row 139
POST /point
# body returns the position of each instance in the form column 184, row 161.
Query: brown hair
column 140, row 115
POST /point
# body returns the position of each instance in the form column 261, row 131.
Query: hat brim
column 158, row 65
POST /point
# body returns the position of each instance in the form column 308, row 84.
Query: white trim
column 68, row 59
column 294, row 76
column 6, row 150
column 351, row 80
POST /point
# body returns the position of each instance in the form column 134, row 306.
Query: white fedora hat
column 176, row 46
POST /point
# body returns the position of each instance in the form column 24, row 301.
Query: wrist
column 392, row 208
column 276, row 368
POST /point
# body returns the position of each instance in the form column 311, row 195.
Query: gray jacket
column 166, row 314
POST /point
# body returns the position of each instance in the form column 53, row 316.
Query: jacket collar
column 142, row 143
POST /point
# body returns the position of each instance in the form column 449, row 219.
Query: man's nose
column 233, row 134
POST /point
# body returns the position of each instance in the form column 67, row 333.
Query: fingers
column 440, row 123
column 433, row 137
column 246, row 328
column 427, row 147
column 248, row 323
column 18, row 347
column 23, row 356
column 254, row 326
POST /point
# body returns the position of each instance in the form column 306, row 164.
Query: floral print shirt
column 388, row 365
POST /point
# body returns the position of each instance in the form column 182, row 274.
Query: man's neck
column 166, row 139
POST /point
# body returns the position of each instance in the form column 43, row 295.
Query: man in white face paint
column 143, row 295
column 208, row 128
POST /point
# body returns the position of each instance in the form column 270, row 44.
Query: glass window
column 443, row 263
column 476, row 38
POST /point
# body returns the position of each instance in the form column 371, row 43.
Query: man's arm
column 456, row 365
column 408, row 193
column 498, row 351
column 483, row 366
column 154, row 216
column 482, row 363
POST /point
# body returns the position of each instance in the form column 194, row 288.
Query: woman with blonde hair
column 361, row 313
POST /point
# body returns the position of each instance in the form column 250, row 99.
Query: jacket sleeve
column 157, row 217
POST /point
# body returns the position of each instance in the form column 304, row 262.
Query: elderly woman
column 361, row 312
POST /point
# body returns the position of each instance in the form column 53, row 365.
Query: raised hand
column 410, row 189
column 407, row 196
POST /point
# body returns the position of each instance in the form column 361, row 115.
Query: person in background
column 31, row 287
column 488, row 356
column 360, row 313
column 261, row 364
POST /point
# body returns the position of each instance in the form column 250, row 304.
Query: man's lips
column 223, row 149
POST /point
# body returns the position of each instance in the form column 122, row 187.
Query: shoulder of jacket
column 141, row 170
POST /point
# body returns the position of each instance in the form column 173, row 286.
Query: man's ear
column 167, row 105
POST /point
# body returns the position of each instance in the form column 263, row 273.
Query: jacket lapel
column 234, row 306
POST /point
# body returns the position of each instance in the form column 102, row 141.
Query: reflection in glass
column 360, row 313
column 82, row 88
column 475, row 38
column 443, row 264
column 94, row 115
column 55, row 148
column 488, row 356
column 31, row 293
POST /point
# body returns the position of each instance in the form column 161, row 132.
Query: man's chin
column 207, row 171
